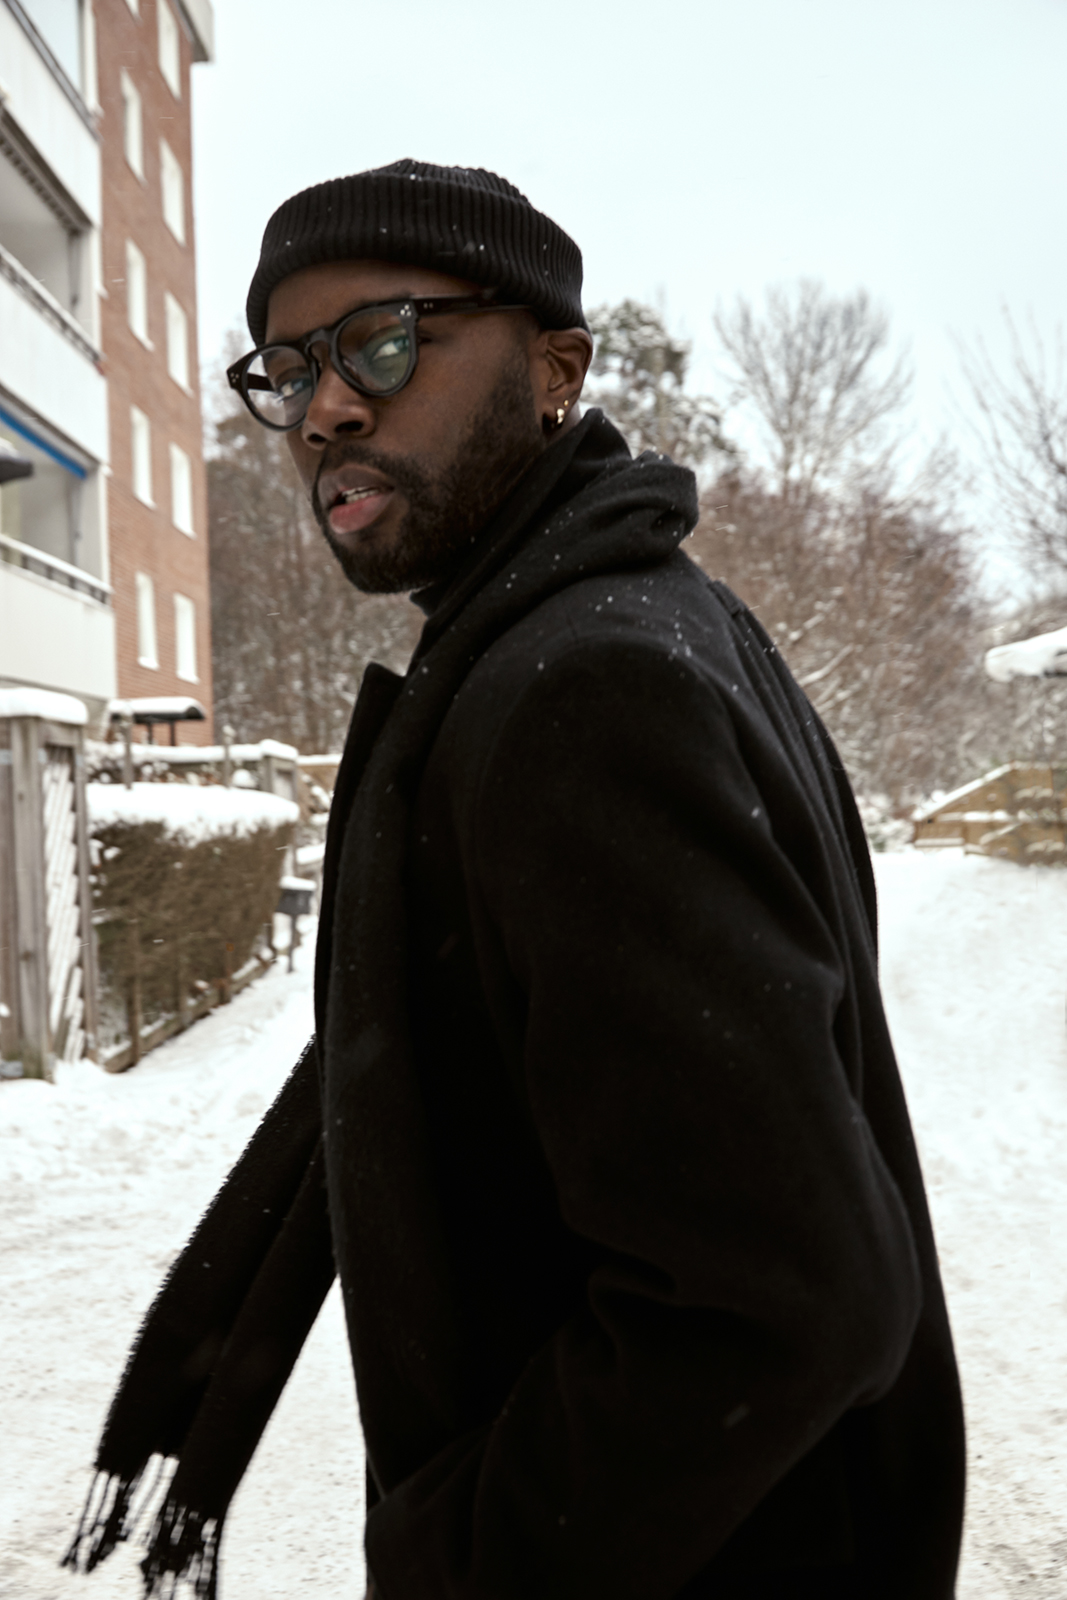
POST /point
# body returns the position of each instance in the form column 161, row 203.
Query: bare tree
column 875, row 608
column 1023, row 430
column 809, row 370
column 642, row 389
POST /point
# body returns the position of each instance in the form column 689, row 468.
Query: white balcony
column 53, row 634
column 47, row 361
column 51, row 114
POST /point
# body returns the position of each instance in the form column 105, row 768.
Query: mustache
column 401, row 471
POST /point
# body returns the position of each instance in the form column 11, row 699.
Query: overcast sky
column 695, row 150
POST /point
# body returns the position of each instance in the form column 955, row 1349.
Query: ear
column 559, row 361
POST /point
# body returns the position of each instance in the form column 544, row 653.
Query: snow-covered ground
column 101, row 1179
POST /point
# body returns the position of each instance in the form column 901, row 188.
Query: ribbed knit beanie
column 462, row 221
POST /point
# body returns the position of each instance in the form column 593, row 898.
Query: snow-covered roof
column 949, row 802
column 1044, row 656
column 160, row 705
column 193, row 813
column 44, row 703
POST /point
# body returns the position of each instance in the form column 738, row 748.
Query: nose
column 335, row 409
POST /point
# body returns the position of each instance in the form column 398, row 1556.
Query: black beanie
column 462, row 221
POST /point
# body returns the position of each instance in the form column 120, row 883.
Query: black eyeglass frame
column 409, row 310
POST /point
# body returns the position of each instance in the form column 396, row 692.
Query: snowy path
column 100, row 1184
column 102, row 1178
column 974, row 967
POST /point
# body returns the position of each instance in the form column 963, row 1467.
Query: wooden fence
column 47, row 959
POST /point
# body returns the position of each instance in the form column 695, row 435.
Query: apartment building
column 57, row 624
column 104, row 569
column 157, row 496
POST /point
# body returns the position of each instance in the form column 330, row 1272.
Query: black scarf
column 221, row 1339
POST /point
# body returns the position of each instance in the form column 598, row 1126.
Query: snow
column 194, row 813
column 1044, row 656
column 101, row 1179
column 947, row 802
column 44, row 703
column 190, row 754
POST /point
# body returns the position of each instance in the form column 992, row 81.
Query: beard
column 449, row 506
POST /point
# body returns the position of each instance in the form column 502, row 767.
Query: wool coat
column 639, row 1275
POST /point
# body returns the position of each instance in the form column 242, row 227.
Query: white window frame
column 137, row 293
column 177, row 341
column 147, row 643
column 132, row 123
column 172, row 184
column 185, row 639
column 181, row 491
column 141, row 456
column 170, row 48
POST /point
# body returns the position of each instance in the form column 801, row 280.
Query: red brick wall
column 143, row 539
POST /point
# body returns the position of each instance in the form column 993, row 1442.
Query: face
column 401, row 486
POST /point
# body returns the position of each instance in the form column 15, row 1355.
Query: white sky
column 695, row 149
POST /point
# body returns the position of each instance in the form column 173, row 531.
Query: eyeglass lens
column 376, row 348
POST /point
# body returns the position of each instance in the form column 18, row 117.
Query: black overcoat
column 639, row 1275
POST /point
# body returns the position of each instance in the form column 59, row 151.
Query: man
column 603, row 1122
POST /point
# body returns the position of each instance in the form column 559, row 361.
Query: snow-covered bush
column 184, row 879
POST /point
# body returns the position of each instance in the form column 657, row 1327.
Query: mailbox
column 295, row 897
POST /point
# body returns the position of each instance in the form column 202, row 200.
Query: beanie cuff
column 461, row 221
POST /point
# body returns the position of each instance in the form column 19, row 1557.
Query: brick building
column 103, row 551
column 157, row 509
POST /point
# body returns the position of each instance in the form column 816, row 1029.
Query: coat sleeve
column 757, row 1273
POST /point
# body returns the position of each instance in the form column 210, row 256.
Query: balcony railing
column 30, row 559
column 47, row 304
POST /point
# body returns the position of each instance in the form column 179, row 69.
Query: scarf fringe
column 183, row 1545
column 105, row 1520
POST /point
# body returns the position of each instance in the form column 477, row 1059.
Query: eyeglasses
column 375, row 350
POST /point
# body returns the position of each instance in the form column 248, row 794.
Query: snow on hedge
column 191, row 813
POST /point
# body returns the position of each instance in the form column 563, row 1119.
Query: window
column 177, row 341
column 181, row 490
column 147, row 654
column 141, row 453
column 60, row 25
column 135, row 7
column 170, row 56
column 47, row 509
column 185, row 638
column 132, row 123
column 173, row 183
column 35, row 225
column 137, row 293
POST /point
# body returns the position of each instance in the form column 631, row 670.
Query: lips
column 353, row 497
